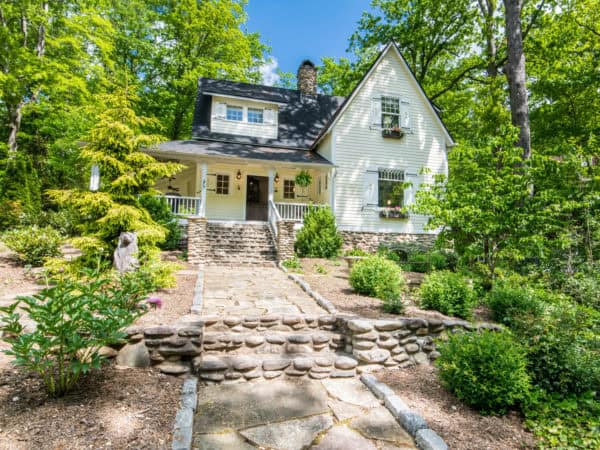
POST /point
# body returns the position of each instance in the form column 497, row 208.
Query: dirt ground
column 14, row 279
column 133, row 408
column 329, row 277
column 460, row 426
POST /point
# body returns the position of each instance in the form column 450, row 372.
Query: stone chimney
column 307, row 78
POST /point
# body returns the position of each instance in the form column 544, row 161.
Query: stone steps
column 237, row 368
column 239, row 243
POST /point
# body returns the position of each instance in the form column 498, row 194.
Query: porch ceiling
column 231, row 150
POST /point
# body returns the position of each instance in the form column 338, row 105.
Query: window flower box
column 393, row 133
column 393, row 213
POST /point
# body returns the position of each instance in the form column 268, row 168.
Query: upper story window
column 389, row 112
column 390, row 185
column 255, row 115
column 222, row 187
column 235, row 113
column 289, row 189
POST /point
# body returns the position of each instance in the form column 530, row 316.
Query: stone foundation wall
column 285, row 240
column 197, row 245
column 370, row 241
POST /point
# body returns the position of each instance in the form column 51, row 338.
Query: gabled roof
column 300, row 120
column 390, row 45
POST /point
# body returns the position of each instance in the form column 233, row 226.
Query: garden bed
column 460, row 426
column 329, row 277
column 133, row 408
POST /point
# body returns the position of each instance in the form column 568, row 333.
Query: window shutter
column 220, row 111
column 376, row 112
column 410, row 191
column 370, row 191
column 404, row 114
column 269, row 116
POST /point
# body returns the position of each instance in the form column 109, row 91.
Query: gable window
column 235, row 113
column 289, row 188
column 390, row 112
column 222, row 187
column 255, row 115
column 390, row 187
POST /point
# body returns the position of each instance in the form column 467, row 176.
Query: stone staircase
column 239, row 243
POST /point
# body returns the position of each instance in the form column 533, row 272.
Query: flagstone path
column 253, row 291
column 295, row 414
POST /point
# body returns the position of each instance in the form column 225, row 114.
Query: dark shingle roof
column 237, row 150
column 301, row 117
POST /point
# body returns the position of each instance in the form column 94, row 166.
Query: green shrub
column 33, row 244
column 356, row 252
column 377, row 277
column 318, row 238
column 74, row 319
column 507, row 302
column 419, row 262
column 584, row 288
column 486, row 370
column 292, row 263
column 563, row 348
column 160, row 212
column 319, row 268
column 448, row 293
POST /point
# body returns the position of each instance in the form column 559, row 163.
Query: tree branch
column 456, row 79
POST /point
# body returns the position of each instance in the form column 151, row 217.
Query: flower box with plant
column 396, row 212
column 393, row 132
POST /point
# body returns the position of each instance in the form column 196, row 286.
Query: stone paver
column 294, row 414
column 247, row 291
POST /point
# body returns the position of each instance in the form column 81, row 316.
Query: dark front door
column 257, row 198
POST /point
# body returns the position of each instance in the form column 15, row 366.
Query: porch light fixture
column 276, row 178
column 238, row 175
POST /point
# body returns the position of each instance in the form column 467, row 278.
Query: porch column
column 271, row 185
column 332, row 189
column 203, row 176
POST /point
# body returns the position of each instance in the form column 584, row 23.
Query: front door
column 257, row 198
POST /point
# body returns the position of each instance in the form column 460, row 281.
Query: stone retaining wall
column 370, row 241
column 196, row 240
column 286, row 236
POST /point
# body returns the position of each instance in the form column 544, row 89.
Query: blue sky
column 303, row 29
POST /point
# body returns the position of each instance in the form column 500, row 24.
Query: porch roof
column 231, row 150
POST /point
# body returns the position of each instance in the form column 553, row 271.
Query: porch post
column 198, row 187
column 332, row 189
column 271, row 184
column 204, row 174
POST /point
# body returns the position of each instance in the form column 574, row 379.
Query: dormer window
column 235, row 113
column 255, row 115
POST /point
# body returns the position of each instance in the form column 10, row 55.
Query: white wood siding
column 221, row 125
column 359, row 147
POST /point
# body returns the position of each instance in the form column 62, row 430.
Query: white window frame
column 237, row 108
column 258, row 111
column 398, row 114
column 394, row 176
column 293, row 194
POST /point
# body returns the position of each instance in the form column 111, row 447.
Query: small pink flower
column 154, row 302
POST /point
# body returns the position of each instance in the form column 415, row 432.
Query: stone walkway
column 253, row 291
column 295, row 414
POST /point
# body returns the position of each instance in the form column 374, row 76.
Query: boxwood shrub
column 379, row 277
column 448, row 293
column 486, row 370
column 318, row 237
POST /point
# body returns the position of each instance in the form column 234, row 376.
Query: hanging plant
column 303, row 179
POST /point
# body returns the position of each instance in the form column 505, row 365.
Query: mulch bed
column 132, row 408
column 335, row 287
column 460, row 426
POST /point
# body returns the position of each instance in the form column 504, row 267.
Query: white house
column 365, row 154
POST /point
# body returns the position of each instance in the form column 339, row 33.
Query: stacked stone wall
column 286, row 237
column 197, row 245
column 370, row 241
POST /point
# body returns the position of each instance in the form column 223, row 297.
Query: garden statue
column 125, row 256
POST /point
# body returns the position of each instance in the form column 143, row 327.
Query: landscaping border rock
column 413, row 423
column 184, row 419
column 198, row 298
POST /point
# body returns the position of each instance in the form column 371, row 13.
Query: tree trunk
column 488, row 11
column 15, row 115
column 516, row 75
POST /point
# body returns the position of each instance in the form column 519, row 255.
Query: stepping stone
column 343, row 411
column 343, row 438
column 240, row 406
column 379, row 424
column 226, row 441
column 290, row 435
column 351, row 391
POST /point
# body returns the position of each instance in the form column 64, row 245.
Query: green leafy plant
column 508, row 302
column 487, row 370
column 161, row 213
column 378, row 277
column 303, row 179
column 448, row 293
column 73, row 320
column 319, row 237
column 356, row 252
column 34, row 244
column 320, row 269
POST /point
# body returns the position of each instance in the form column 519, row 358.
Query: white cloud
column 268, row 71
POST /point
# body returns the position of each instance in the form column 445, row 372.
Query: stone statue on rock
column 125, row 256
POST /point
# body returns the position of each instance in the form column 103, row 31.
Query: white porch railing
column 183, row 206
column 274, row 217
column 294, row 211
